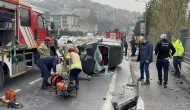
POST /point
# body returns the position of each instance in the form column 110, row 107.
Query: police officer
column 46, row 64
column 64, row 51
column 162, row 50
column 177, row 56
column 44, row 48
column 75, row 66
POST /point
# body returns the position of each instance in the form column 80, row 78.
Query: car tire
column 1, row 77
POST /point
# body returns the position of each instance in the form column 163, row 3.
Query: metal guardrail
column 186, row 56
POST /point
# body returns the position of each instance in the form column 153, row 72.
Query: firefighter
column 162, row 50
column 45, row 65
column 44, row 48
column 75, row 66
column 64, row 50
column 177, row 56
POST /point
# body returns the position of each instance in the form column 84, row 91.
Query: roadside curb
column 140, row 103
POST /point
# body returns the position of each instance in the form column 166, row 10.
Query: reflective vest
column 75, row 62
column 178, row 47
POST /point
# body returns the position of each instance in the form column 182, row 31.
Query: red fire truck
column 23, row 28
column 115, row 34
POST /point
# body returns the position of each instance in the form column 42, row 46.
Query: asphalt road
column 90, row 95
column 96, row 94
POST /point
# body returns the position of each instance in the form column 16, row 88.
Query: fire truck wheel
column 52, row 53
column 1, row 77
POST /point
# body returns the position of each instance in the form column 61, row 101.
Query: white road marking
column 140, row 104
column 16, row 90
column 107, row 104
column 35, row 81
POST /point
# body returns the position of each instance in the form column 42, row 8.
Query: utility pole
column 145, row 27
column 145, row 17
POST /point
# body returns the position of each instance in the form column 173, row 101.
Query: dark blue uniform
column 46, row 64
column 163, row 50
column 126, row 47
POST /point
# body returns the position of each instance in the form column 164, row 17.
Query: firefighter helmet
column 47, row 39
column 71, row 49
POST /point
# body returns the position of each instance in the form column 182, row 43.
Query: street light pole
column 145, row 18
column 145, row 27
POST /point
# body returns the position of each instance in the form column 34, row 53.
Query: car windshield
column 63, row 39
column 64, row 36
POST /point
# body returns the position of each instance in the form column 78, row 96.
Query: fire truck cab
column 23, row 28
column 113, row 34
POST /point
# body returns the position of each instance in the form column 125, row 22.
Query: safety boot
column 44, row 88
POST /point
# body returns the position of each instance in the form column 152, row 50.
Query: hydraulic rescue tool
column 10, row 99
column 63, row 87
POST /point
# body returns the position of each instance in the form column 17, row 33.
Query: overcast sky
column 131, row 5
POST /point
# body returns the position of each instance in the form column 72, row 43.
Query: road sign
column 140, row 19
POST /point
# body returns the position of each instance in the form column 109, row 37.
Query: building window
column 64, row 17
column 56, row 18
column 64, row 21
column 40, row 22
column 25, row 18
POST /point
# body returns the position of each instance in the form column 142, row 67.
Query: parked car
column 63, row 40
column 73, row 39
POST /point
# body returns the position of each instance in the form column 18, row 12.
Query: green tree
column 164, row 16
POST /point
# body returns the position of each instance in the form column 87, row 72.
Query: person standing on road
column 145, row 57
column 44, row 48
column 45, row 65
column 163, row 50
column 125, row 46
column 177, row 56
column 75, row 66
column 133, row 46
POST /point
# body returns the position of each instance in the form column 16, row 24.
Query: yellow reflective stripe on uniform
column 76, row 66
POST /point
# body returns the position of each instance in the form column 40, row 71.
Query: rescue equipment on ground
column 63, row 88
column 10, row 99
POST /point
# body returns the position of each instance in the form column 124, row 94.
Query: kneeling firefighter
column 75, row 66
column 64, row 51
column 46, row 64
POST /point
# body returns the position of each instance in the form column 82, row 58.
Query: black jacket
column 55, row 42
column 133, row 43
column 125, row 44
column 163, row 49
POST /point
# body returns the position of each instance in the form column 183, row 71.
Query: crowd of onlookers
column 164, row 51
